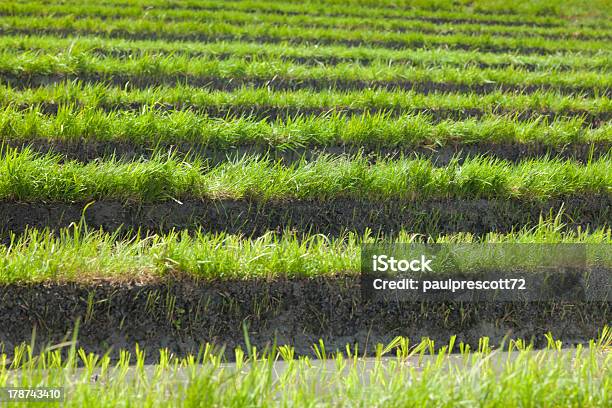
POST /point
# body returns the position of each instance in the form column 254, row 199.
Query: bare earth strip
column 334, row 217
column 181, row 314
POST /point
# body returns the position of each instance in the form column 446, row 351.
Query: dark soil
column 390, row 17
column 323, row 59
column 278, row 83
column 391, row 44
column 323, row 11
column 87, row 150
column 333, row 217
column 272, row 112
column 182, row 314
column 364, row 25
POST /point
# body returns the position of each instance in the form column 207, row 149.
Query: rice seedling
column 267, row 143
column 328, row 55
column 510, row 13
column 26, row 176
column 81, row 254
column 193, row 30
column 228, row 14
column 261, row 102
column 151, row 127
column 401, row 374
column 227, row 74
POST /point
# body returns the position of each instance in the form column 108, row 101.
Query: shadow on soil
column 331, row 217
column 89, row 150
column 183, row 314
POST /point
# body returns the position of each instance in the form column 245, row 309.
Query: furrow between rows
column 87, row 134
column 87, row 150
column 454, row 15
column 331, row 217
column 414, row 25
column 276, row 82
column 25, row 176
column 143, row 30
column 260, row 100
column 323, row 55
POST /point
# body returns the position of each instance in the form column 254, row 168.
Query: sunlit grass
column 27, row 176
column 326, row 54
column 150, row 127
column 177, row 67
column 401, row 374
column 261, row 99
column 411, row 20
column 193, row 29
column 78, row 253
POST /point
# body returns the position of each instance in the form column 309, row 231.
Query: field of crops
column 400, row 374
column 176, row 173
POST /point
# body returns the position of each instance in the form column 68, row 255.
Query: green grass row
column 25, row 176
column 261, row 99
column 150, row 127
column 331, row 54
column 79, row 254
column 152, row 69
column 185, row 30
column 565, row 9
column 331, row 22
column 568, row 9
column 592, row 13
column 401, row 374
